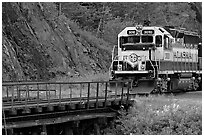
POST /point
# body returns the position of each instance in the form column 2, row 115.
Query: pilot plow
column 136, row 87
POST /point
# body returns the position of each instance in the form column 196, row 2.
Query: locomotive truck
column 158, row 59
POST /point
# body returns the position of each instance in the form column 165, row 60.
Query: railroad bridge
column 61, row 107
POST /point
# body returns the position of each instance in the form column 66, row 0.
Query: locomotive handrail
column 113, row 52
column 112, row 62
column 153, row 67
column 156, row 63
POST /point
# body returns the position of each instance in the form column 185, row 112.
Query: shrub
column 113, row 27
column 161, row 116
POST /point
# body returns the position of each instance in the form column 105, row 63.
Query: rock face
column 39, row 44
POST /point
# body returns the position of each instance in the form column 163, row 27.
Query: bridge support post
column 102, row 121
column 44, row 130
column 68, row 130
column 110, row 122
column 96, row 129
column 13, row 112
column 34, row 133
column 10, row 131
column 38, row 110
column 75, row 125
column 50, row 108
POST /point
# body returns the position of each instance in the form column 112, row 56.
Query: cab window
column 166, row 42
column 158, row 40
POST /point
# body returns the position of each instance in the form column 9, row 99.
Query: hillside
column 42, row 41
column 107, row 19
column 40, row 44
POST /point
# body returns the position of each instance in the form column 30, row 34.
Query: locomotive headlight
column 168, row 79
column 199, row 78
column 120, row 67
column 142, row 67
column 139, row 58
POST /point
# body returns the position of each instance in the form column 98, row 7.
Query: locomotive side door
column 158, row 53
column 167, row 54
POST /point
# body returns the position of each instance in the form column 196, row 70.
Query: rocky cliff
column 39, row 43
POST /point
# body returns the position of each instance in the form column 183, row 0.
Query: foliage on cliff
column 39, row 44
column 107, row 19
column 43, row 40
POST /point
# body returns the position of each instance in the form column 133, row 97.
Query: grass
column 160, row 116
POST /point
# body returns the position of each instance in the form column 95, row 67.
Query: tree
column 93, row 16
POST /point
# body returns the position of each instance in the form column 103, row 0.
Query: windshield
column 130, row 39
column 147, row 39
column 136, row 39
column 136, row 42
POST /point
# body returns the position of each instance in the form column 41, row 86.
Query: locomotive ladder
column 155, row 66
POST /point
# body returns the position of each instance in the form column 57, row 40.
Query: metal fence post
column 97, row 90
column 106, row 94
column 88, row 95
column 60, row 93
column 38, row 95
column 7, row 93
column 128, row 91
column 12, row 99
column 80, row 94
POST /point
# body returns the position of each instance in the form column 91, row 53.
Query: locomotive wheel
column 169, row 86
column 195, row 86
column 162, row 86
column 135, row 83
column 200, row 86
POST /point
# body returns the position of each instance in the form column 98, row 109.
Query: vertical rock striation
column 39, row 44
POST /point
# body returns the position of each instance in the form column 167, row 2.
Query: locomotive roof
column 156, row 29
column 181, row 30
column 167, row 30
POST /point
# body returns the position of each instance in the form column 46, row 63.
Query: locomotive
column 158, row 59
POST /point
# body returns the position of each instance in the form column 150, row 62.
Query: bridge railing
column 36, row 93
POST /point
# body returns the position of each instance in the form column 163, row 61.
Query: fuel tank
column 180, row 84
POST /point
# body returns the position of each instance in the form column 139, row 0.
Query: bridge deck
column 54, row 96
column 54, row 102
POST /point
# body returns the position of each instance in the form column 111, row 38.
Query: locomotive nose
column 133, row 58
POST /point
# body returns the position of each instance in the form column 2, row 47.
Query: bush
column 87, row 77
column 160, row 116
column 113, row 27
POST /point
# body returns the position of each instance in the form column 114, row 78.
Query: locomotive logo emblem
column 133, row 57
